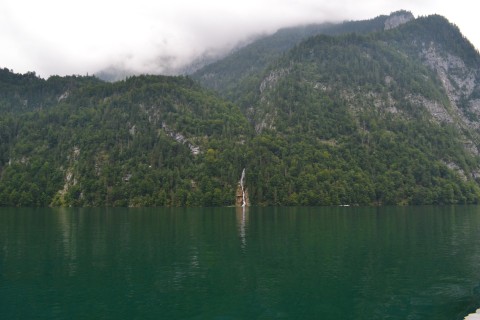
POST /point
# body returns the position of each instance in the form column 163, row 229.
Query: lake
column 226, row 263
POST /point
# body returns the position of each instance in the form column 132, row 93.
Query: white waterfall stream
column 243, row 188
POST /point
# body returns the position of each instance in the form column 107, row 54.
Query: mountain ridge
column 269, row 48
column 388, row 116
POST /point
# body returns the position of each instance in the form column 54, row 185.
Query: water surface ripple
column 228, row 263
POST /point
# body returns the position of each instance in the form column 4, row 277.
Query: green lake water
column 224, row 263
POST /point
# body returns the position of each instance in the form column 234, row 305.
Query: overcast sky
column 79, row 37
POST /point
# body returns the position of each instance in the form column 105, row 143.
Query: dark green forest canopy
column 233, row 76
column 149, row 140
column 340, row 118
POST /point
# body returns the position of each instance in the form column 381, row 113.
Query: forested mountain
column 386, row 115
column 149, row 140
column 235, row 73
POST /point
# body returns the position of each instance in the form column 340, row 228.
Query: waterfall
column 243, row 189
column 241, row 195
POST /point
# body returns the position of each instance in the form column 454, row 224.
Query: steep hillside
column 27, row 92
column 388, row 117
column 385, row 117
column 456, row 63
column 233, row 75
column 148, row 140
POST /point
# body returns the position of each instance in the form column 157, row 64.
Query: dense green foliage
column 343, row 128
column 114, row 144
column 428, row 30
column 329, row 120
column 232, row 76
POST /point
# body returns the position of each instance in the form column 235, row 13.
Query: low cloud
column 80, row 37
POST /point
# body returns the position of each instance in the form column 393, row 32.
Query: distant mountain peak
column 398, row 18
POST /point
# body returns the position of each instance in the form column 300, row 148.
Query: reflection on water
column 242, row 223
column 68, row 229
column 240, row 263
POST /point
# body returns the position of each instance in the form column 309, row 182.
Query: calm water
column 283, row 263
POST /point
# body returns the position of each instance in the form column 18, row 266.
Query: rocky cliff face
column 458, row 81
column 398, row 18
column 241, row 196
column 456, row 65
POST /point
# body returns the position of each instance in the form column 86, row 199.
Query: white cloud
column 76, row 37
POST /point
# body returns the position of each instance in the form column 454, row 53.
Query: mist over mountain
column 175, row 65
column 373, row 112
column 228, row 75
column 271, row 44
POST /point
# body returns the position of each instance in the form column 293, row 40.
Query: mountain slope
column 148, row 140
column 386, row 117
column 442, row 48
column 27, row 92
column 371, row 119
column 234, row 71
